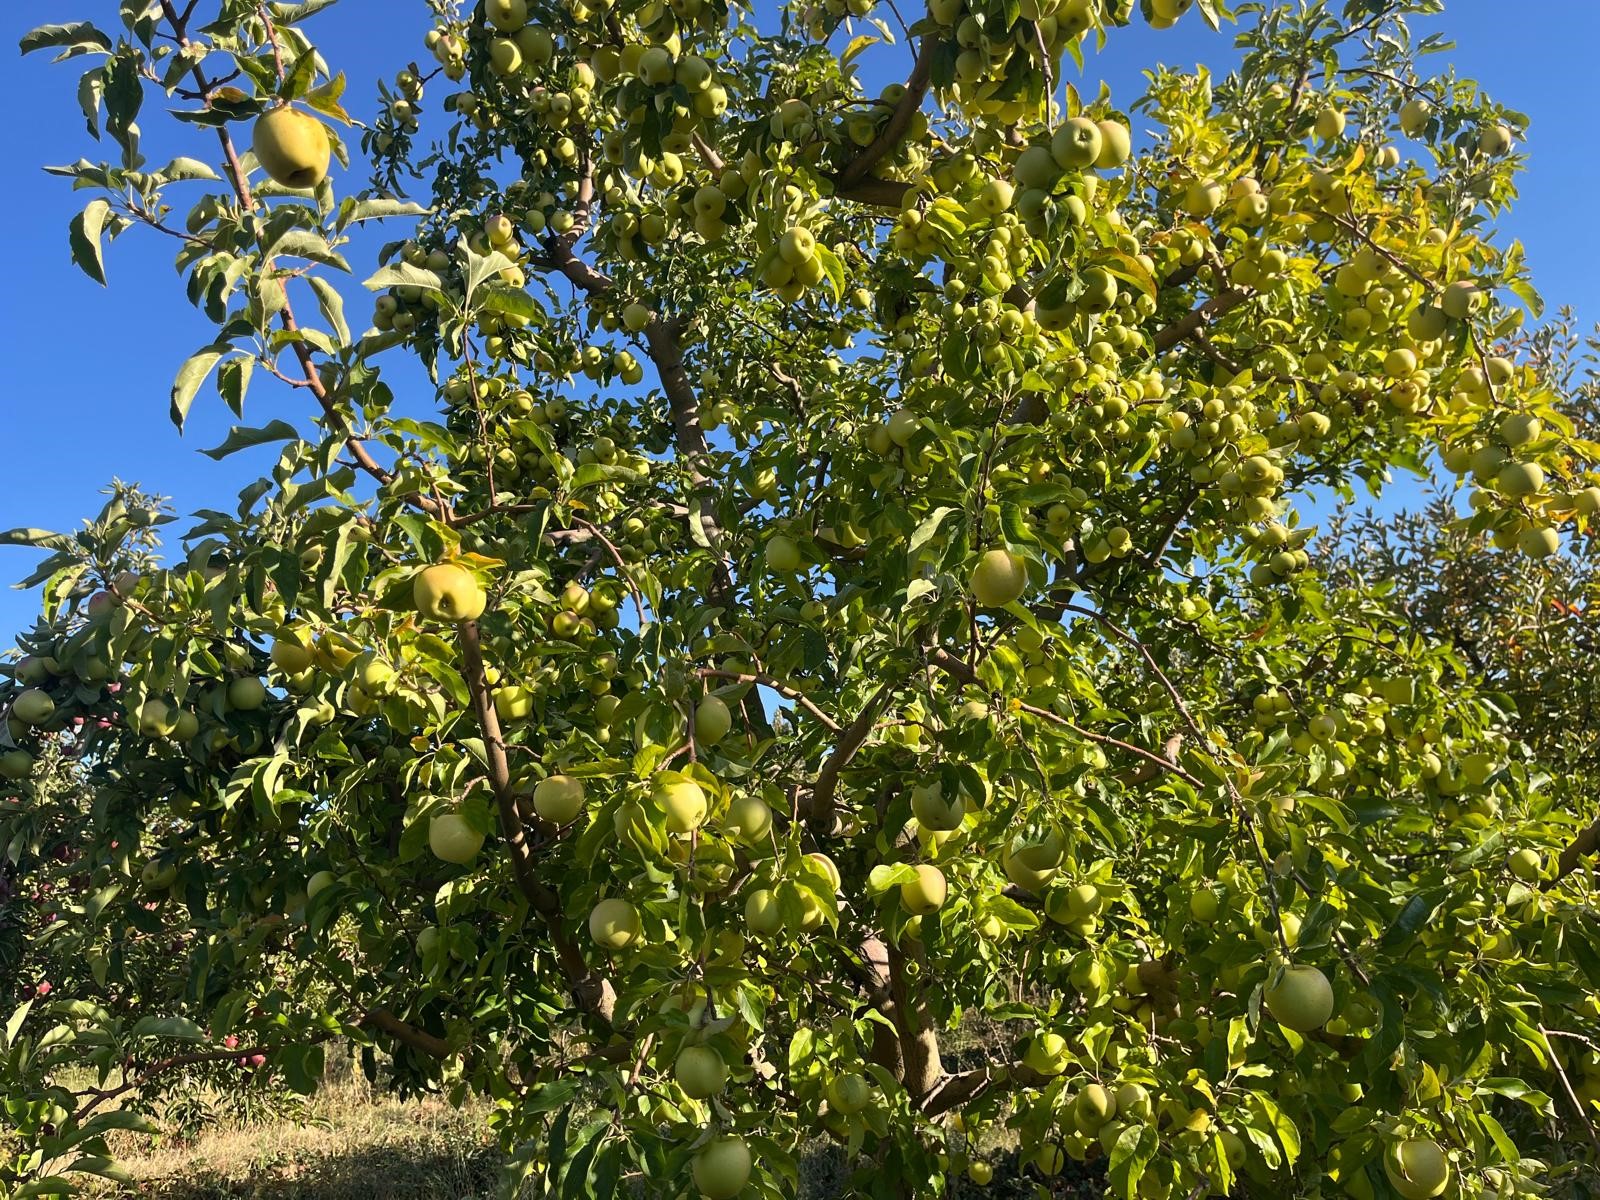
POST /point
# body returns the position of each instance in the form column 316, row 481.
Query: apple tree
column 835, row 656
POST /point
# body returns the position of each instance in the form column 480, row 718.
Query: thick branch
column 824, row 791
column 1199, row 317
column 595, row 994
column 894, row 129
column 1585, row 844
column 919, row 1042
column 409, row 1035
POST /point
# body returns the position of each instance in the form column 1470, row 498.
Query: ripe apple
column 1526, row 864
column 761, row 912
column 447, row 592
column 158, row 876
column 1417, row 1168
column 1495, row 140
column 32, row 707
column 933, row 811
column 513, row 703
column 712, row 720
column 925, row 893
column 749, row 819
column 558, row 799
column 682, row 800
column 246, row 694
column 452, row 839
column 1116, row 145
column 848, row 1093
column 1133, row 1103
column 722, row 1168
column 1077, row 144
column 1414, row 116
column 700, row 1072
column 1302, row 999
column 1047, row 1054
column 1204, row 905
column 614, row 923
column 1093, row 1107
column 289, row 653
column 999, row 578
column 783, row 554
column 292, row 147
column 507, row 16
column 1517, row 479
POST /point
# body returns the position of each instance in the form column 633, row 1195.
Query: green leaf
column 180, row 1028
column 353, row 211
column 302, row 243
column 298, row 78
column 242, row 437
column 190, row 376
column 85, row 233
column 889, row 875
column 181, row 170
column 401, row 274
column 79, row 33
column 325, row 99
column 332, row 305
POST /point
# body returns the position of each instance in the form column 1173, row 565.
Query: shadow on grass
column 375, row 1173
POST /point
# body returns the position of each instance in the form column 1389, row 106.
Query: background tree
column 678, row 762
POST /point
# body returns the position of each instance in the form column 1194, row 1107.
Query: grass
column 349, row 1143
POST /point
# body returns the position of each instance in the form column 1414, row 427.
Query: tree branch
column 824, row 791
column 894, row 129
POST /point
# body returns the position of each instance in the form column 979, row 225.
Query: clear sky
column 89, row 369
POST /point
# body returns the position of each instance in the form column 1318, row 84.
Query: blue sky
column 90, row 368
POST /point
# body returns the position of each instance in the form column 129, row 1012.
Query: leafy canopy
column 849, row 597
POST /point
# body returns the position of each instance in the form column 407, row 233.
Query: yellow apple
column 925, row 893
column 558, row 799
column 447, row 592
column 998, row 579
column 682, row 800
column 614, row 923
column 1302, row 999
column 1417, row 1168
column 292, row 147
column 452, row 839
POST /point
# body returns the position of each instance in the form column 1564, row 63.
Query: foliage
column 933, row 637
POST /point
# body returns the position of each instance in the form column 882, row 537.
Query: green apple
column 246, row 693
column 924, row 894
column 1330, row 124
column 32, row 707
column 761, row 912
column 712, row 720
column 1414, row 116
column 507, row 16
column 682, row 800
column 1047, row 1054
column 999, row 578
column 447, row 592
column 614, row 923
column 320, row 881
column 1116, row 145
column 1300, row 999
column 848, row 1093
column 1093, row 1107
column 1077, row 144
column 783, row 554
column 513, row 702
column 16, row 765
column 700, row 1072
column 558, row 799
column 1526, row 864
column 292, row 147
column 935, row 812
column 1495, row 140
column 721, row 1168
column 749, row 820
column 452, row 839
column 1417, row 1168
column 1517, row 479
column 158, row 875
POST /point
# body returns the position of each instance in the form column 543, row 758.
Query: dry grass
column 350, row 1144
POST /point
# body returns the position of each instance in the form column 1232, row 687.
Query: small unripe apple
column 292, row 147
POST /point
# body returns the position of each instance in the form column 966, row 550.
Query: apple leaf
column 85, row 236
column 191, row 375
column 241, row 438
